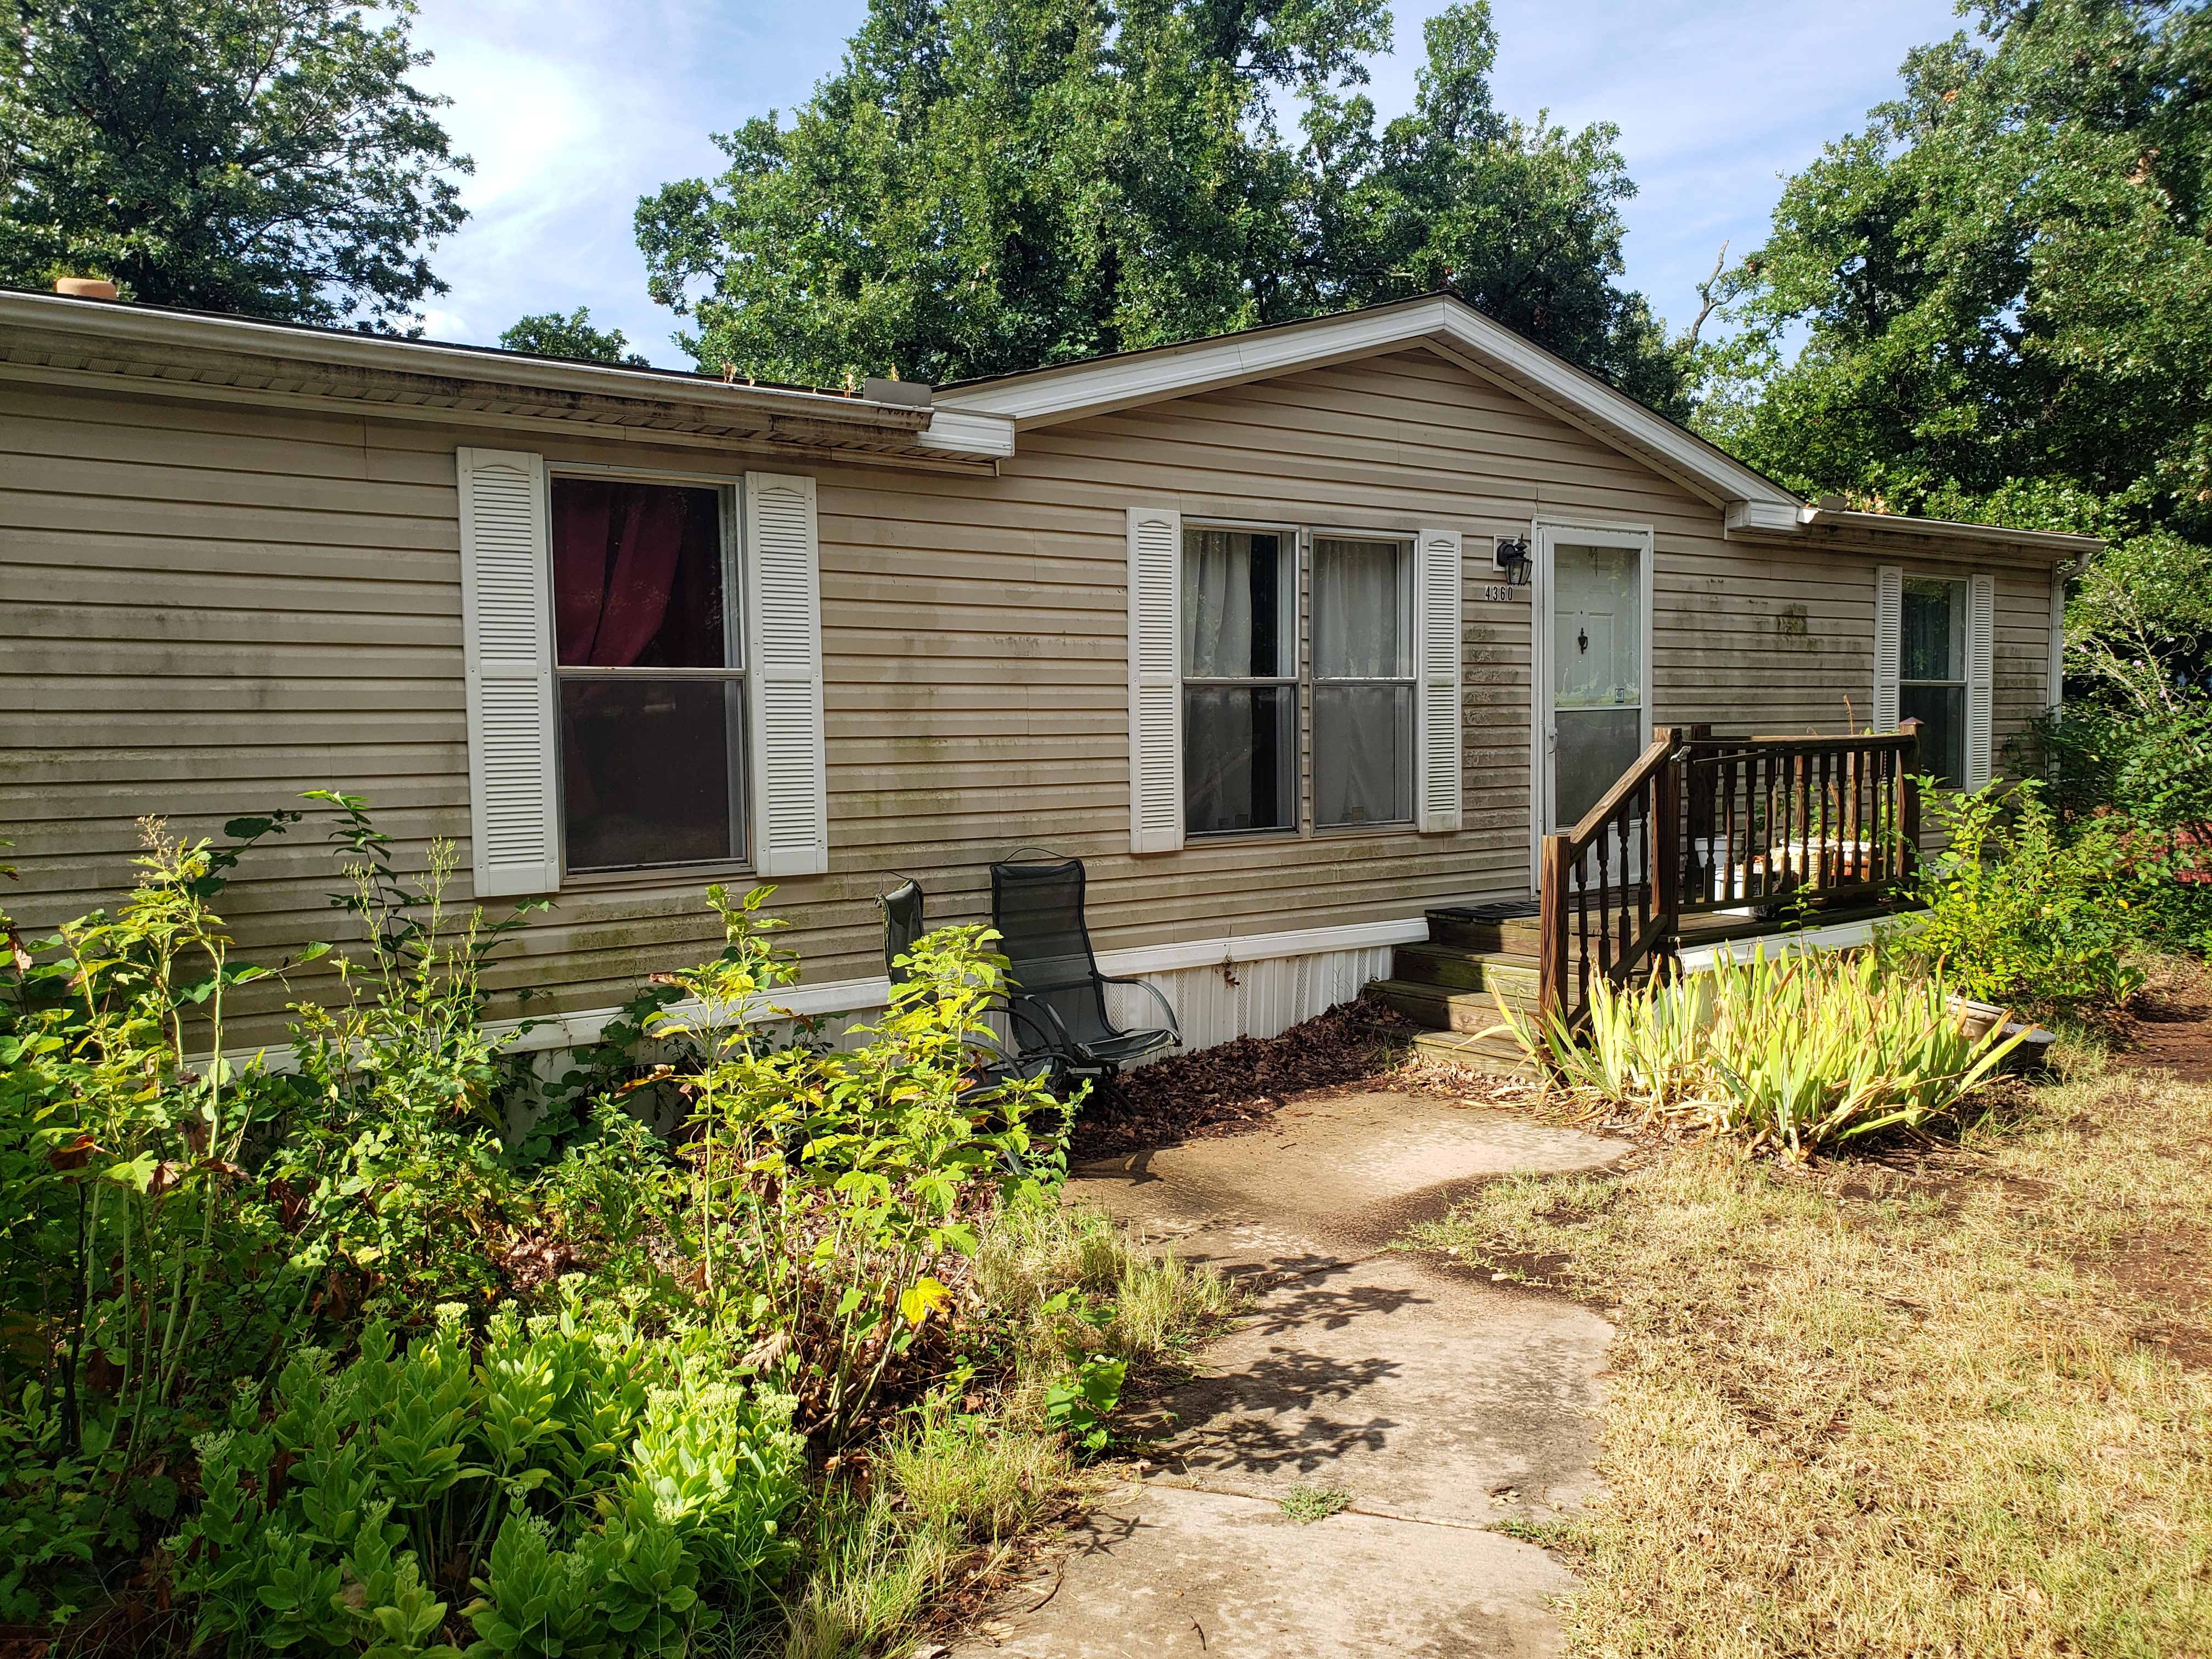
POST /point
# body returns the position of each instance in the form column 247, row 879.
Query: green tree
column 552, row 335
column 262, row 156
column 1522, row 218
column 2002, row 283
column 990, row 186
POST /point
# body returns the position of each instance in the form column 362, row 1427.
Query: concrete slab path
column 1443, row 1403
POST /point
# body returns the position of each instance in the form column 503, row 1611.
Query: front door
column 1593, row 718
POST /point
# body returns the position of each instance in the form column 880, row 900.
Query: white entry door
column 1593, row 639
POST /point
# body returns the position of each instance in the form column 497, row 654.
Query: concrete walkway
column 1442, row 1402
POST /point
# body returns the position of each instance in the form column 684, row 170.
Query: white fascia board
column 1450, row 326
column 1049, row 396
column 969, row 433
column 2052, row 543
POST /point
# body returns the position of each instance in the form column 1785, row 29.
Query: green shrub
column 584, row 1484
column 2026, row 916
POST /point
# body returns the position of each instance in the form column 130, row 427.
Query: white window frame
column 1978, row 625
column 736, row 610
column 1294, row 537
column 1410, row 541
column 1962, row 636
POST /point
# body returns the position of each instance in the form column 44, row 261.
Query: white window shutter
column 1437, row 719
column 783, row 673
column 1888, row 642
column 1981, row 651
column 1156, row 809
column 507, row 630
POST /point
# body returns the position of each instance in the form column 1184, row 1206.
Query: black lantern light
column 1512, row 558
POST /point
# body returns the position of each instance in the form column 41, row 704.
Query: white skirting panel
column 1267, row 997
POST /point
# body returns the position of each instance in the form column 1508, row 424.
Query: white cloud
column 574, row 108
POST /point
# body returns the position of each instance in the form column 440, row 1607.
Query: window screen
column 651, row 697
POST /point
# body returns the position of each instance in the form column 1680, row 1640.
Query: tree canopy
column 2003, row 282
column 550, row 334
column 988, row 186
column 262, row 156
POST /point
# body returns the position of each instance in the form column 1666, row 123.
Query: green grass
column 1308, row 1504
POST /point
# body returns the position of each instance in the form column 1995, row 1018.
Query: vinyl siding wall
column 209, row 609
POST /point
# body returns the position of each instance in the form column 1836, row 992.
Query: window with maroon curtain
column 652, row 690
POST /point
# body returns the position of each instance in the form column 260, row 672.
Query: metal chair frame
column 1079, row 1055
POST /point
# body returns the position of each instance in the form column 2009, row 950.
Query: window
column 1363, row 671
column 1932, row 673
column 1240, row 697
column 649, row 660
column 1241, row 679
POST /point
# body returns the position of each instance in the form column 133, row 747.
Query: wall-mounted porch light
column 1512, row 558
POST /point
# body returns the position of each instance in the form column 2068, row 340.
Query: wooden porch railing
column 1701, row 824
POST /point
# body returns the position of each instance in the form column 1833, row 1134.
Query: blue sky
column 574, row 109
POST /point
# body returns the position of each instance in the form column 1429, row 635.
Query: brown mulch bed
column 1238, row 1086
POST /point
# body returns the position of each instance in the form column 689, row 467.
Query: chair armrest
column 1166, row 1007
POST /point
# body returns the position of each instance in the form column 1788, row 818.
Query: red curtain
column 636, row 581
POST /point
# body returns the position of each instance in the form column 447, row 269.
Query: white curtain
column 1361, row 594
column 1362, row 759
column 1363, row 747
column 1217, row 600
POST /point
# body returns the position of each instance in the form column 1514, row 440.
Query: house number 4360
column 1496, row 592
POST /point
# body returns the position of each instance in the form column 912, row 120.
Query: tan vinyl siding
column 211, row 609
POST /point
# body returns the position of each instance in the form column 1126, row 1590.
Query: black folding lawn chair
column 1037, row 908
column 1031, row 1060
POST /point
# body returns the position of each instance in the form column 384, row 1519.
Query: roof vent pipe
column 85, row 287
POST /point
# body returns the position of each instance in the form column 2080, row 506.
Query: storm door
column 1594, row 718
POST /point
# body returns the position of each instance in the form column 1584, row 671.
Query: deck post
column 1552, row 910
column 1666, row 835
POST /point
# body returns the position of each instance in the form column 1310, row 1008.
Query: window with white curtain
column 1363, row 682
column 1240, row 695
column 1248, row 676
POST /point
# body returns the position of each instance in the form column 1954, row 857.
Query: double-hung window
column 1292, row 692
column 1931, row 681
column 643, row 669
column 1363, row 682
column 1240, row 695
column 1934, row 645
column 649, row 659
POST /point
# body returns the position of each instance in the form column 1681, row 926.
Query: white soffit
column 1443, row 324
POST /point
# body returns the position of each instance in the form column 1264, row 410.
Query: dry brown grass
column 1919, row 1407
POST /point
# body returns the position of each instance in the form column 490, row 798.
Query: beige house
column 1241, row 623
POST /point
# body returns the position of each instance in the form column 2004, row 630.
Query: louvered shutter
column 1888, row 642
column 783, row 665
column 1156, row 812
column 1437, row 593
column 506, row 624
column 1981, row 651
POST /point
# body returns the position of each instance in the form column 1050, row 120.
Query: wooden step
column 1442, row 1009
column 1498, row 1056
column 1483, row 928
column 1462, row 970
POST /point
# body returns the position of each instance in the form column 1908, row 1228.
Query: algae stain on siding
column 1793, row 629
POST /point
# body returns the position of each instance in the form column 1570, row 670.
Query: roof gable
column 1443, row 323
